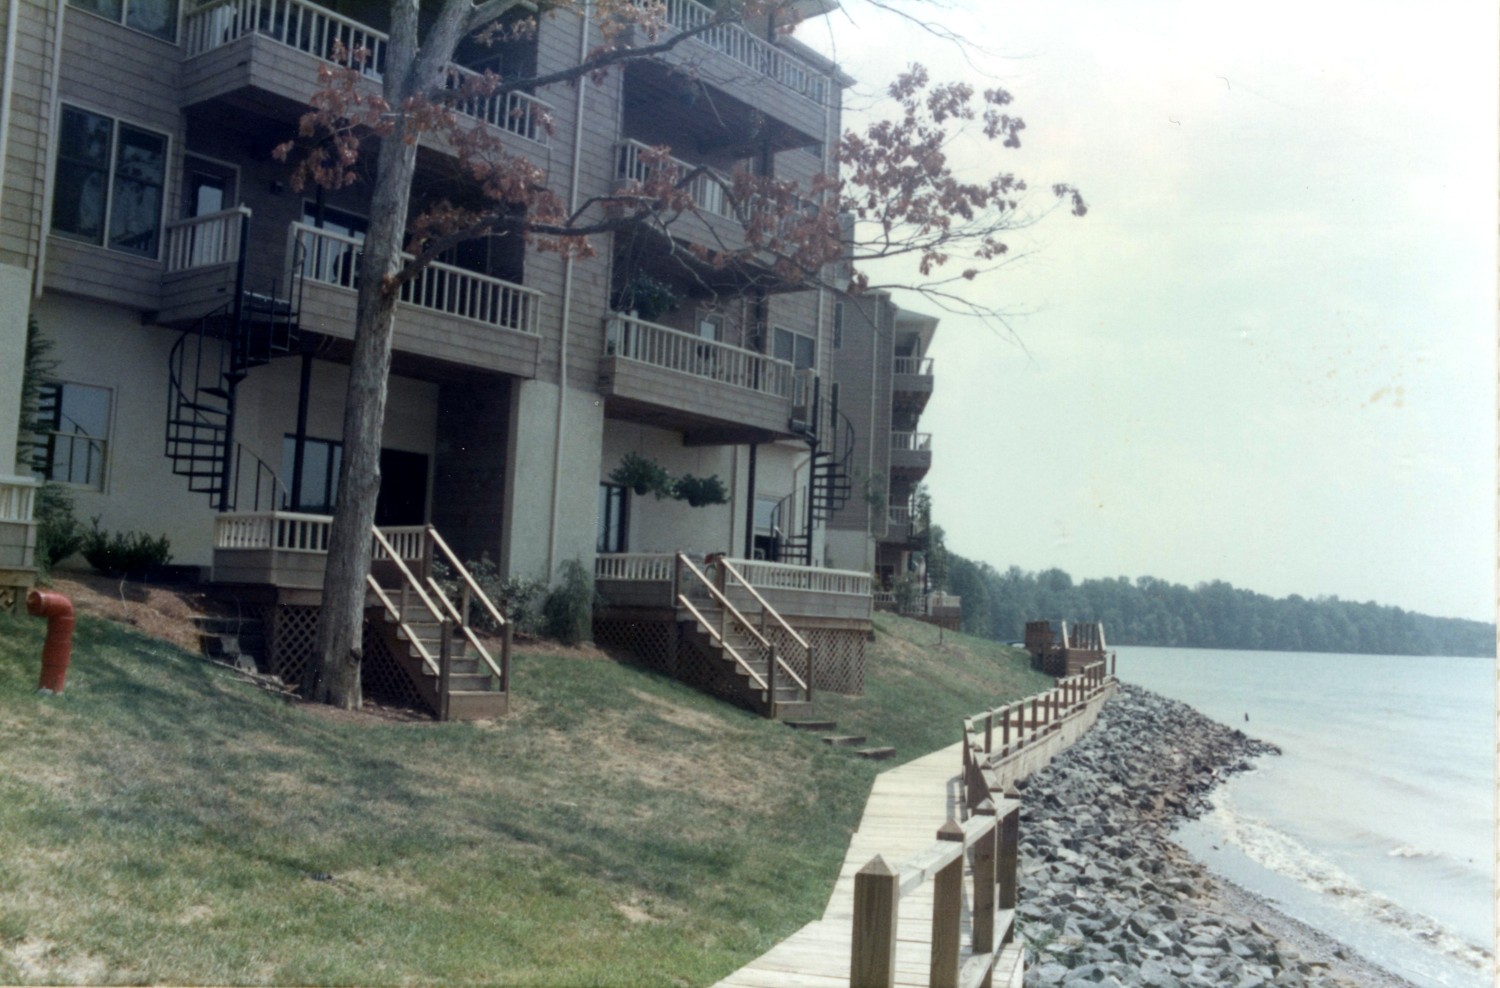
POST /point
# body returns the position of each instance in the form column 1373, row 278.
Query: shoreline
column 1107, row 897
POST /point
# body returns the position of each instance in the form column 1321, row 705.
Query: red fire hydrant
column 58, row 648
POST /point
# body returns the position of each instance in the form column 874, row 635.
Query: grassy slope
column 164, row 823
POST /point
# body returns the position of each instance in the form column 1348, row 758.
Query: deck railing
column 641, row 566
column 17, row 499
column 319, row 32
column 784, row 576
column 631, row 165
column 755, row 53
column 204, row 241
column 334, row 259
column 912, row 442
column 914, row 365
column 687, row 353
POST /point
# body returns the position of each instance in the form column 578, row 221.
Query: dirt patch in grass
column 682, row 716
column 162, row 612
column 36, row 957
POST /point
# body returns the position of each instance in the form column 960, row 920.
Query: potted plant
column 648, row 298
column 698, row 491
column 642, row 475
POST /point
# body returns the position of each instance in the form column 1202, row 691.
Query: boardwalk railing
column 991, row 836
column 995, row 735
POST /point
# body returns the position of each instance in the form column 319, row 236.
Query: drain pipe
column 58, row 648
column 567, row 301
column 8, row 87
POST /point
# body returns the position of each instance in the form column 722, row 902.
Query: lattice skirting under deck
column 292, row 639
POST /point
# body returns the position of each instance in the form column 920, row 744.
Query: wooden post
column 989, row 731
column 771, row 683
column 1010, row 841
column 445, row 665
column 1035, row 724
column 947, row 913
column 427, row 551
column 505, row 636
column 985, row 853
column 1005, row 728
column 872, row 952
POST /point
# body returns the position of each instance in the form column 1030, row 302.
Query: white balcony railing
column 921, row 366
column 686, row 353
column 334, row 258
column 899, row 516
column 755, row 53
column 912, row 442
column 646, row 566
column 291, row 531
column 319, row 32
column 204, row 241
column 707, row 192
column 17, row 499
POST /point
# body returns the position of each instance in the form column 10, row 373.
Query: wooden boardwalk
column 907, row 805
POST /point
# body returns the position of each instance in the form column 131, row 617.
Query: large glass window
column 321, row 459
column 74, row 421
column 109, row 183
column 796, row 348
column 613, row 503
column 155, row 17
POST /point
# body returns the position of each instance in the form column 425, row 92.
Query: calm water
column 1375, row 823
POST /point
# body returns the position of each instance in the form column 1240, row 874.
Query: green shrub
column 125, row 554
column 568, row 614
column 58, row 533
column 519, row 598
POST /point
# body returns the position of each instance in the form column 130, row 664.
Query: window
column 74, row 421
column 109, row 183
column 614, row 502
column 319, row 488
column 155, row 17
column 796, row 348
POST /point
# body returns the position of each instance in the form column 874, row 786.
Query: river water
column 1375, row 824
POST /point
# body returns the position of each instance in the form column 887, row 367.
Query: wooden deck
column 906, row 807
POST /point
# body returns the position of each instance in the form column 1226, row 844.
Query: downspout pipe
column 567, row 301
column 8, row 88
column 58, row 648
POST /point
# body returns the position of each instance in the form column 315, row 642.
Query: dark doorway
column 403, row 489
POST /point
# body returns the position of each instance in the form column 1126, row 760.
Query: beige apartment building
column 203, row 310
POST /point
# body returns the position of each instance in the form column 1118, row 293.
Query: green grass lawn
column 165, row 823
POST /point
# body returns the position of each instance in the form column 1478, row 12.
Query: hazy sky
column 1267, row 354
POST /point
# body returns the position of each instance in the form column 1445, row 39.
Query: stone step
column 876, row 754
column 811, row 725
column 845, row 740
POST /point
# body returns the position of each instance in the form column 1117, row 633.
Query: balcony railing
column 204, row 241
column 707, row 192
column 319, row 32
column 914, row 365
column 686, row 353
column 660, row 566
column 912, row 442
column 755, row 53
column 905, row 516
column 290, row 531
column 334, row 259
column 17, row 499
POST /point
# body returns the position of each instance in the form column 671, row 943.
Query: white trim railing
column 205, row 241
column 672, row 349
column 631, row 165
column 784, row 576
column 17, row 499
column 319, row 32
column 755, row 53
column 284, row 531
column 330, row 258
column 641, row 566
column 899, row 515
column 912, row 442
column 921, row 366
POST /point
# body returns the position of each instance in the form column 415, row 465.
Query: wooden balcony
column 289, row 550
column 911, row 384
column 911, row 454
column 17, row 527
column 709, row 391
column 264, row 55
column 446, row 312
column 801, row 594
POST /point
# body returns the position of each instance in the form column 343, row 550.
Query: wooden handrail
column 467, row 630
column 468, row 578
column 717, row 595
column 768, row 609
column 745, row 666
column 401, row 622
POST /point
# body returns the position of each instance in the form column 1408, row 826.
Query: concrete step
column 876, row 754
column 811, row 725
column 477, row 705
column 845, row 740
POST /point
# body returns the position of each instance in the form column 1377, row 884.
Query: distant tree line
column 1149, row 611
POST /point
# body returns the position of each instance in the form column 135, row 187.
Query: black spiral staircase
column 206, row 367
column 830, row 437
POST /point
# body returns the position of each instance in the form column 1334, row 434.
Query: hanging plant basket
column 700, row 491
column 642, row 475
